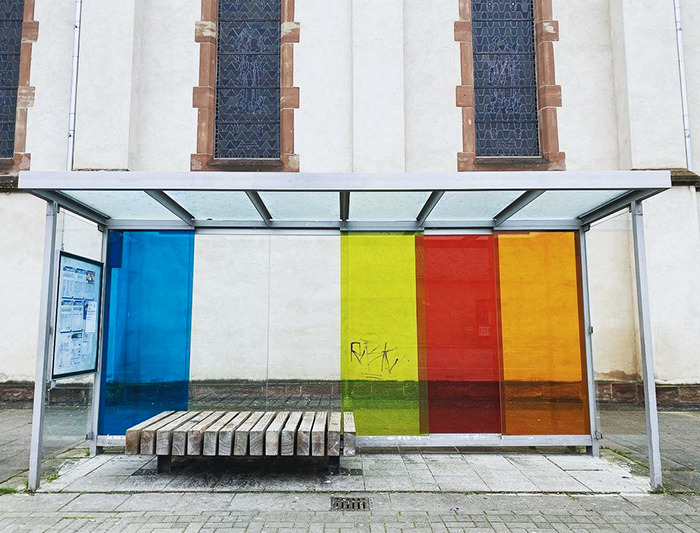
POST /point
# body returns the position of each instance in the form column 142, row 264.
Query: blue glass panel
column 248, row 79
column 505, row 89
column 11, row 15
column 146, row 351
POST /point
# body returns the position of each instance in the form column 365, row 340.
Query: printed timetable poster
column 78, row 315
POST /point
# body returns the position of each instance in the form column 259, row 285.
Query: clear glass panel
column 123, row 205
column 394, row 206
column 564, row 205
column 216, row 205
column 472, row 205
column 309, row 206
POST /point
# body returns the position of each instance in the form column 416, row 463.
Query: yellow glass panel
column 379, row 333
column 544, row 385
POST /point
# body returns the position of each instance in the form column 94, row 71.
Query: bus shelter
column 444, row 309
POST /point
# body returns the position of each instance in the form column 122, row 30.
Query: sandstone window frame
column 204, row 96
column 21, row 160
column 548, row 96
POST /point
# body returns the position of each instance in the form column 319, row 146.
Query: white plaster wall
column 616, row 21
column 163, row 123
column 47, row 121
column 22, row 245
column 584, row 69
column 323, row 73
column 673, row 255
column 104, row 85
column 378, row 85
column 690, row 14
column 647, row 48
column 266, row 306
column 431, row 73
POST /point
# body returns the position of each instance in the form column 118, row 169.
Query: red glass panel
column 461, row 334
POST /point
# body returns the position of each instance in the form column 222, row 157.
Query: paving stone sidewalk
column 393, row 512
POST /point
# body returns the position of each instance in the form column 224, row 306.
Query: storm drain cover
column 349, row 504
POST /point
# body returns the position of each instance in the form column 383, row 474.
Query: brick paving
column 390, row 512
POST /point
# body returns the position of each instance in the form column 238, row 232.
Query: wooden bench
column 243, row 433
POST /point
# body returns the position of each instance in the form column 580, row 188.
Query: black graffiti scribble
column 365, row 347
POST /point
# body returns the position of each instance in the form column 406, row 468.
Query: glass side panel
column 392, row 206
column 505, row 89
column 379, row 334
column 123, row 205
column 248, row 79
column 462, row 334
column 309, row 206
column 219, row 205
column 564, row 205
column 146, row 351
column 11, row 16
column 544, row 379
column 472, row 205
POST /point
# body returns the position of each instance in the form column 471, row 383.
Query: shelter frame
column 628, row 190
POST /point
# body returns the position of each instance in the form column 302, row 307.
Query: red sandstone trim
column 549, row 96
column 204, row 97
column 25, row 95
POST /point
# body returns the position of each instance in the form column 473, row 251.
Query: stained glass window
column 11, row 15
column 248, row 79
column 505, row 89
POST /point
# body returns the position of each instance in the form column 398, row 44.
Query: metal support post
column 652, row 415
column 43, row 345
column 588, row 337
column 97, row 379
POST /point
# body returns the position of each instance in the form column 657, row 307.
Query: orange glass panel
column 544, row 390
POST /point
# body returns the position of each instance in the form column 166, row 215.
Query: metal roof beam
column 617, row 204
column 172, row 206
column 429, row 205
column 516, row 205
column 73, row 206
column 344, row 205
column 259, row 206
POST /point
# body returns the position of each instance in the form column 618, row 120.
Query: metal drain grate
column 349, row 504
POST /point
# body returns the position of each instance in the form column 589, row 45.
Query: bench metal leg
column 334, row 464
column 165, row 463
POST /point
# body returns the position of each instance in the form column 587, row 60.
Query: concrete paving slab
column 150, row 501
column 95, row 502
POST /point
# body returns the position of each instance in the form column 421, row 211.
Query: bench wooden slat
column 226, row 434
column 133, row 434
column 334, row 434
column 348, row 434
column 211, row 435
column 180, row 434
column 289, row 433
column 240, row 443
column 257, row 434
column 318, row 434
column 304, row 433
column 195, row 434
column 148, row 434
column 272, row 434
column 164, row 434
